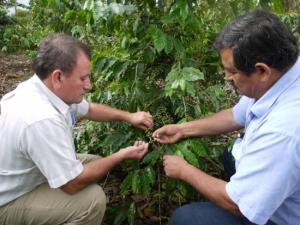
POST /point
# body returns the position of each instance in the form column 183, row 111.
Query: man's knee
column 195, row 213
column 93, row 204
column 203, row 213
column 181, row 216
column 98, row 198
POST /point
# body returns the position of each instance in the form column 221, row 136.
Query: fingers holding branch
column 136, row 151
column 142, row 120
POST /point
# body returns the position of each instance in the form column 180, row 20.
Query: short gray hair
column 58, row 51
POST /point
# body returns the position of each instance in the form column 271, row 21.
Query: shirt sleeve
column 267, row 174
column 80, row 109
column 50, row 146
column 240, row 110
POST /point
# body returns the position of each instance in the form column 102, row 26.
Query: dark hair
column 58, row 51
column 259, row 36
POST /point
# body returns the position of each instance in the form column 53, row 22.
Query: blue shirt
column 266, row 184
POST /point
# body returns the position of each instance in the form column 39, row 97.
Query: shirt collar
column 262, row 105
column 59, row 104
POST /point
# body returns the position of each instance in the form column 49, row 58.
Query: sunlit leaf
column 136, row 182
column 192, row 74
column 159, row 40
column 199, row 148
column 131, row 213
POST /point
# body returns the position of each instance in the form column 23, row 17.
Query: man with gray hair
column 42, row 180
column 260, row 57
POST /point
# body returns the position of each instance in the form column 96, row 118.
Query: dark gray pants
column 206, row 213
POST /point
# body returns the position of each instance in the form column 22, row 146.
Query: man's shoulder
column 285, row 117
column 28, row 108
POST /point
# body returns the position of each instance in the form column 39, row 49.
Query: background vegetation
column 147, row 55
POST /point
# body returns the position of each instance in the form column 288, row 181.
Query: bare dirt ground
column 14, row 68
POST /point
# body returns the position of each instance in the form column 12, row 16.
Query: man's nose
column 88, row 85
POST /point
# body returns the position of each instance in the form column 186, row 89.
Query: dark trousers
column 228, row 163
column 206, row 213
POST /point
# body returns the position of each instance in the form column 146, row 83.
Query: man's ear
column 264, row 71
column 56, row 79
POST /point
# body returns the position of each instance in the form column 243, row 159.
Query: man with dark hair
column 260, row 56
column 41, row 179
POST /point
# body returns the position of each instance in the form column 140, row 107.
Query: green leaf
column 146, row 183
column 131, row 213
column 69, row 15
column 167, row 149
column 190, row 157
column 139, row 69
column 169, row 44
column 187, row 154
column 182, row 188
column 127, row 182
column 151, row 158
column 148, row 179
column 183, row 120
column 184, row 11
column 136, row 25
column 59, row 5
column 150, row 174
column 179, row 153
column 88, row 4
column 182, row 84
column 100, row 10
column 100, row 64
column 159, row 39
column 179, row 83
column 168, row 19
column 136, row 182
column 120, row 217
column 190, row 89
column 109, row 64
column 278, row 6
column 179, row 47
column 192, row 74
column 173, row 74
column 199, row 148
column 120, row 69
column 171, row 185
column 149, row 55
column 124, row 43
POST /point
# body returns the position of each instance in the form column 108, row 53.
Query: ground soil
column 14, row 68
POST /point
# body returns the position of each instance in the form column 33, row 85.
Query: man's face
column 246, row 85
column 77, row 83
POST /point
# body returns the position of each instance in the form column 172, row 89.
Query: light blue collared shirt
column 267, row 182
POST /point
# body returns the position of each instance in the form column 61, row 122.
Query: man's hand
column 142, row 120
column 137, row 151
column 168, row 134
column 173, row 166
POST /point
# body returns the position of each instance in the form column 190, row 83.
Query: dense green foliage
column 151, row 57
column 4, row 22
